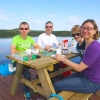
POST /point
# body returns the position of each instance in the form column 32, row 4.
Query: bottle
column 73, row 42
column 73, row 45
column 65, row 46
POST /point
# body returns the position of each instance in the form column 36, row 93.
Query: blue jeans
column 27, row 75
column 76, row 82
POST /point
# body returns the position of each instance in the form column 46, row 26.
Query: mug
column 58, row 51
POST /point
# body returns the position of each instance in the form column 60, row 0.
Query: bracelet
column 64, row 60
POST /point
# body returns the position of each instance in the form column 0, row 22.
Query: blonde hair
column 75, row 28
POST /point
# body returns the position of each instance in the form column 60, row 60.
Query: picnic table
column 40, row 65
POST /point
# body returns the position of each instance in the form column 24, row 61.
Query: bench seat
column 67, row 95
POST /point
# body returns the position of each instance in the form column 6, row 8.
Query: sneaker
column 35, row 91
column 28, row 96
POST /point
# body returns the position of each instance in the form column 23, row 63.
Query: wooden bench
column 67, row 95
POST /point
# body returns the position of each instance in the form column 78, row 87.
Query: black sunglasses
column 78, row 34
column 23, row 28
column 48, row 26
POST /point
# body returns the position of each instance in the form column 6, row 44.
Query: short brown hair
column 75, row 28
column 25, row 23
column 95, row 36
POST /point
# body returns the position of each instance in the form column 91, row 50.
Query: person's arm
column 13, row 49
column 36, row 46
column 78, row 67
column 13, row 46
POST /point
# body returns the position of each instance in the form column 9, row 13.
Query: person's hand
column 47, row 47
column 60, row 57
column 60, row 44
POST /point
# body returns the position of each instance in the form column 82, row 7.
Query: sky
column 63, row 13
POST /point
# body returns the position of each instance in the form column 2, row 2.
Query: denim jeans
column 76, row 82
column 27, row 75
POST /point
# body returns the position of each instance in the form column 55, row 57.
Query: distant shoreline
column 12, row 33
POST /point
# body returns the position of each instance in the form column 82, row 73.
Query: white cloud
column 4, row 16
column 73, row 20
column 34, row 21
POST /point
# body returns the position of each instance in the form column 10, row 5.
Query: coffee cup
column 58, row 51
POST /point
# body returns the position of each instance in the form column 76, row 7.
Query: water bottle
column 73, row 45
column 73, row 42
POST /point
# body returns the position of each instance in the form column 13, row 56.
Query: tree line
column 33, row 33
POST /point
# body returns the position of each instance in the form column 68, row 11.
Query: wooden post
column 46, row 82
column 16, row 78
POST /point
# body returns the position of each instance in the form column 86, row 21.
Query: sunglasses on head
column 78, row 34
column 23, row 28
column 48, row 26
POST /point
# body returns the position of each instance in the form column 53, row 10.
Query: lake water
column 5, row 44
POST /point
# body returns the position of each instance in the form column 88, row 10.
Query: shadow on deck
column 5, row 84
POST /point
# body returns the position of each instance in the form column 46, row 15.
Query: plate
column 53, row 56
column 75, row 52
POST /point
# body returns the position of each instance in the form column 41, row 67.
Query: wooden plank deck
column 5, row 84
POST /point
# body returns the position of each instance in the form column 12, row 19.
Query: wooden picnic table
column 40, row 65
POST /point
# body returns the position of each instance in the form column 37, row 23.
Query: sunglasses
column 48, row 26
column 78, row 34
column 23, row 28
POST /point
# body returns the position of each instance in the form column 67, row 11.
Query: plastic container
column 47, row 53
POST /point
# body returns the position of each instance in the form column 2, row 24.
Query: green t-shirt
column 22, row 44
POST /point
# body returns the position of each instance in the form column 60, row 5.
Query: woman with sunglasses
column 76, row 34
column 87, row 79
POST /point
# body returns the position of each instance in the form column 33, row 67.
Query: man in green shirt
column 20, row 43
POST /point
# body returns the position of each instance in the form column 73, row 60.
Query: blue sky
column 63, row 13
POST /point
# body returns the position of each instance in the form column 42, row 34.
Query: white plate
column 75, row 52
column 53, row 56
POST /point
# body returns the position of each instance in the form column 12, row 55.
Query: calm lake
column 5, row 44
